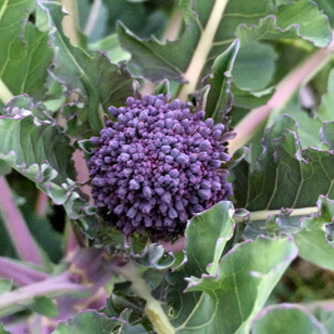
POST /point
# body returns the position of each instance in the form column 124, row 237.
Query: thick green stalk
column 264, row 214
column 70, row 21
column 203, row 48
column 153, row 308
column 5, row 93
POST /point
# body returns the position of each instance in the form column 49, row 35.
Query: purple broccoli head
column 157, row 166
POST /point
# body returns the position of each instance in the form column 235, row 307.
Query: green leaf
column 206, row 236
column 219, row 96
column 312, row 24
column 158, row 60
column 326, row 318
column 36, row 142
column 98, row 82
column 42, row 153
column 300, row 19
column 286, row 176
column 325, row 111
column 25, row 55
column 328, row 7
column 89, row 322
column 255, row 66
column 228, row 302
column 92, row 322
column 286, row 318
column 44, row 306
column 112, row 46
column 154, row 256
column 327, row 134
column 311, row 240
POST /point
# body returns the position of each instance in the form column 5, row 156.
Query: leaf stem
column 92, row 17
column 70, row 21
column 202, row 50
column 5, row 93
column 20, row 274
column 22, row 239
column 52, row 287
column 153, row 307
column 285, row 90
column 263, row 215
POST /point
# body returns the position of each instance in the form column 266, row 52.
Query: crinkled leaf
column 34, row 142
column 325, row 111
column 112, row 46
column 154, row 256
column 155, row 60
column 311, row 240
column 284, row 318
column 24, row 55
column 327, row 134
column 301, row 19
column 206, row 236
column 312, row 24
column 159, row 60
column 326, row 318
column 92, row 322
column 228, row 302
column 97, row 81
column 286, row 176
column 219, row 96
column 40, row 151
column 328, row 7
column 255, row 66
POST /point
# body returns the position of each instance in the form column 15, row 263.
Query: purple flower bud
column 94, row 141
column 215, row 163
column 205, row 145
column 216, row 134
column 134, row 184
column 125, row 156
column 209, row 122
column 132, row 212
column 166, row 197
column 204, row 194
column 147, row 192
column 157, row 166
column 182, row 159
column 174, row 173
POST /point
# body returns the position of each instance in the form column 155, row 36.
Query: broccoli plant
column 166, row 166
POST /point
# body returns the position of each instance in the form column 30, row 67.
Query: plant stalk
column 92, row 17
column 264, row 214
column 52, row 287
column 70, row 21
column 20, row 274
column 153, row 307
column 22, row 239
column 285, row 90
column 5, row 93
column 203, row 48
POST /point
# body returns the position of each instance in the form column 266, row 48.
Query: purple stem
column 22, row 239
column 178, row 246
column 20, row 274
column 51, row 287
column 42, row 204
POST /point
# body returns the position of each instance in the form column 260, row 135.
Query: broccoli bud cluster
column 157, row 166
